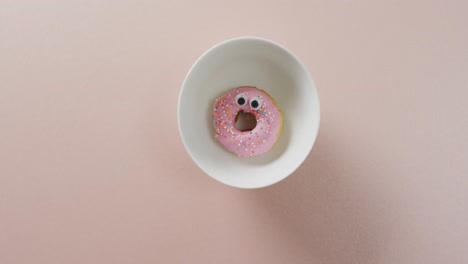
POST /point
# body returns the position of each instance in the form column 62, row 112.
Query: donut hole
column 245, row 121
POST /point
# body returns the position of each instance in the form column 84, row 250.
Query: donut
column 266, row 121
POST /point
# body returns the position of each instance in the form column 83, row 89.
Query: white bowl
column 249, row 61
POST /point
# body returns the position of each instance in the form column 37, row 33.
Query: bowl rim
column 292, row 169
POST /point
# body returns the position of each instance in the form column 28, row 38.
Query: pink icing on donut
column 262, row 106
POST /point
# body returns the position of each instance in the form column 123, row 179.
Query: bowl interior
column 249, row 62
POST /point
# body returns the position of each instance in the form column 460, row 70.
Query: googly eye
column 241, row 99
column 256, row 103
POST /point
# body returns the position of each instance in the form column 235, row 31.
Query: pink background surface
column 92, row 169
